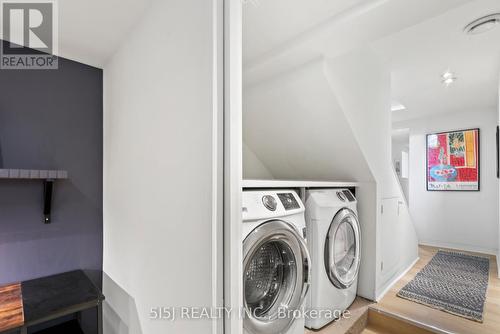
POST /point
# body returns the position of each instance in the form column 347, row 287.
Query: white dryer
column 276, row 263
column 334, row 244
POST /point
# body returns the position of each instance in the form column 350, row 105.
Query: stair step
column 372, row 331
column 381, row 322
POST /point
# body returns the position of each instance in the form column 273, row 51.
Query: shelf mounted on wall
column 47, row 176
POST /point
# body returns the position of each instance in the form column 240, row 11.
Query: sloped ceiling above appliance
column 253, row 167
column 297, row 127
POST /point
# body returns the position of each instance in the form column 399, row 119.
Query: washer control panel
column 265, row 204
column 289, row 202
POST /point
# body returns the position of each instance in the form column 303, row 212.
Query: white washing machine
column 333, row 233
column 276, row 262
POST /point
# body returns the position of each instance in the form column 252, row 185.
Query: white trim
column 296, row 184
column 498, row 264
column 217, row 162
column 233, row 147
column 412, row 322
column 395, row 280
column 462, row 247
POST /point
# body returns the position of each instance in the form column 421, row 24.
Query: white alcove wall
column 329, row 120
column 253, row 168
column 362, row 85
column 295, row 127
column 299, row 131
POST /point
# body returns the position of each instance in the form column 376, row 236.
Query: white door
column 390, row 243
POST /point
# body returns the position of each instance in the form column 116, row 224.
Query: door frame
column 233, row 166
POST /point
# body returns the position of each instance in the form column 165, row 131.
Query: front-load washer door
column 276, row 275
column 342, row 249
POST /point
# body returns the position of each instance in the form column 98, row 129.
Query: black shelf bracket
column 47, row 176
column 48, row 187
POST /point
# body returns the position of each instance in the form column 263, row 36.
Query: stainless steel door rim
column 276, row 274
column 343, row 272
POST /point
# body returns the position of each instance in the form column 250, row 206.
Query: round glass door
column 269, row 278
column 276, row 276
column 345, row 249
column 342, row 249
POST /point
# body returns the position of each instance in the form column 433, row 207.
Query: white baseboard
column 394, row 280
column 498, row 264
column 467, row 248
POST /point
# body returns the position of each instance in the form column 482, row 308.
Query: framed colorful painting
column 453, row 161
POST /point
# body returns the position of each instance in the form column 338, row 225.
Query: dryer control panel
column 349, row 195
column 345, row 196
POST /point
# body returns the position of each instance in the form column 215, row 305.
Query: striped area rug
column 452, row 282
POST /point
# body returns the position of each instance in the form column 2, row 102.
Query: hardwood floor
column 11, row 307
column 439, row 320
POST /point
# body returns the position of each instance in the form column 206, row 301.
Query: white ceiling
column 279, row 37
column 90, row 31
column 268, row 23
column 419, row 55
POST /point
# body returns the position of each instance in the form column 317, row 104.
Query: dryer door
column 275, row 276
column 342, row 249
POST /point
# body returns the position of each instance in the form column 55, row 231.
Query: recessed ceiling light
column 396, row 106
column 483, row 24
column 448, row 78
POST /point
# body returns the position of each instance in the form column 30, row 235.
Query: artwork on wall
column 453, row 161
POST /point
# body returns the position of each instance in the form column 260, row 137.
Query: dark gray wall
column 51, row 119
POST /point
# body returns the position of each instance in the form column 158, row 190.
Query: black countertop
column 54, row 296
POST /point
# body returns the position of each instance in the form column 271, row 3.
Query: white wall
column 463, row 220
column 362, row 86
column 161, row 170
column 293, row 123
column 400, row 145
column 253, row 168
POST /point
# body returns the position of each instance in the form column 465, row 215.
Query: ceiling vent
column 483, row 24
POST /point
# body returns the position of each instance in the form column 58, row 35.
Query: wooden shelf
column 33, row 174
